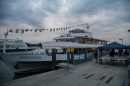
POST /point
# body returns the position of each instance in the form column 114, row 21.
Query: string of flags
column 40, row 30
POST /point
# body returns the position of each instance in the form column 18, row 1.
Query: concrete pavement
column 85, row 74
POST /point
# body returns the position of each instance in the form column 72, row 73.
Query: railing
column 126, row 80
column 81, row 58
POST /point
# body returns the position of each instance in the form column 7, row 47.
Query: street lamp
column 122, row 40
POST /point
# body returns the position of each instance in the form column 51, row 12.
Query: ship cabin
column 13, row 44
column 75, row 37
column 80, row 36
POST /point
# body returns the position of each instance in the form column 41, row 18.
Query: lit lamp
column 122, row 40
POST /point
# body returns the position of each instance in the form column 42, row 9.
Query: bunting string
column 22, row 31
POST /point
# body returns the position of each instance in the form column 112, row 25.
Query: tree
column 32, row 45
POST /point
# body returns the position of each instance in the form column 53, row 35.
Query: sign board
column 70, row 49
column 93, row 48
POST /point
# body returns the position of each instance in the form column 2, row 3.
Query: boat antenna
column 6, row 34
column 87, row 25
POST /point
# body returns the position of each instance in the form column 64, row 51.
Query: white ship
column 15, row 45
column 81, row 40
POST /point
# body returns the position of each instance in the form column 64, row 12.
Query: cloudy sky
column 108, row 19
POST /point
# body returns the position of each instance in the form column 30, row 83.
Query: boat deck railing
column 126, row 80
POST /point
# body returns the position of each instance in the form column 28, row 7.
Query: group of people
column 119, row 53
column 112, row 53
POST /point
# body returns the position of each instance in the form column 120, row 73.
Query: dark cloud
column 24, row 11
column 92, row 7
column 116, row 10
column 105, row 16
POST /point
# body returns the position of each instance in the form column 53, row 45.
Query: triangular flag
column 22, row 31
column 11, row 30
column 27, row 30
column 56, row 29
column 17, row 30
column 35, row 30
column 31, row 30
column 40, row 30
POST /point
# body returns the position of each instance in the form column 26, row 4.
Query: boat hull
column 23, row 63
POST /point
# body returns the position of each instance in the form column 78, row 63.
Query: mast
column 86, row 25
column 4, row 48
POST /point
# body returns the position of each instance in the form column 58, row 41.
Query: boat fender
column 17, row 66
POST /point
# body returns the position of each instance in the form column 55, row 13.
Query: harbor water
column 7, row 75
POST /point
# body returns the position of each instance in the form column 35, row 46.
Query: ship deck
column 85, row 74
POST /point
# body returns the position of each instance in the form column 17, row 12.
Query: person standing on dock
column 96, row 54
column 126, row 54
column 112, row 53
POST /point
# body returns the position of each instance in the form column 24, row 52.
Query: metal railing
column 81, row 58
column 126, row 80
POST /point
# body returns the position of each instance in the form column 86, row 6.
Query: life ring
column 17, row 66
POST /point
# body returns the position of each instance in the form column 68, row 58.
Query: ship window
column 76, row 31
column 19, row 46
column 59, row 50
column 22, row 46
column 71, row 31
column 1, row 42
column 12, row 46
column 1, row 46
column 49, row 50
column 7, row 46
column 73, row 40
column 68, row 40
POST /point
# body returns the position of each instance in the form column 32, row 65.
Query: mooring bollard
column 53, row 58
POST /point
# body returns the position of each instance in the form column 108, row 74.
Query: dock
column 85, row 74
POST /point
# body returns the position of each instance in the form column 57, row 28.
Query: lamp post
column 122, row 40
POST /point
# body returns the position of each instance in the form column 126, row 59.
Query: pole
column 68, row 57
column 5, row 41
column 53, row 58
column 122, row 40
